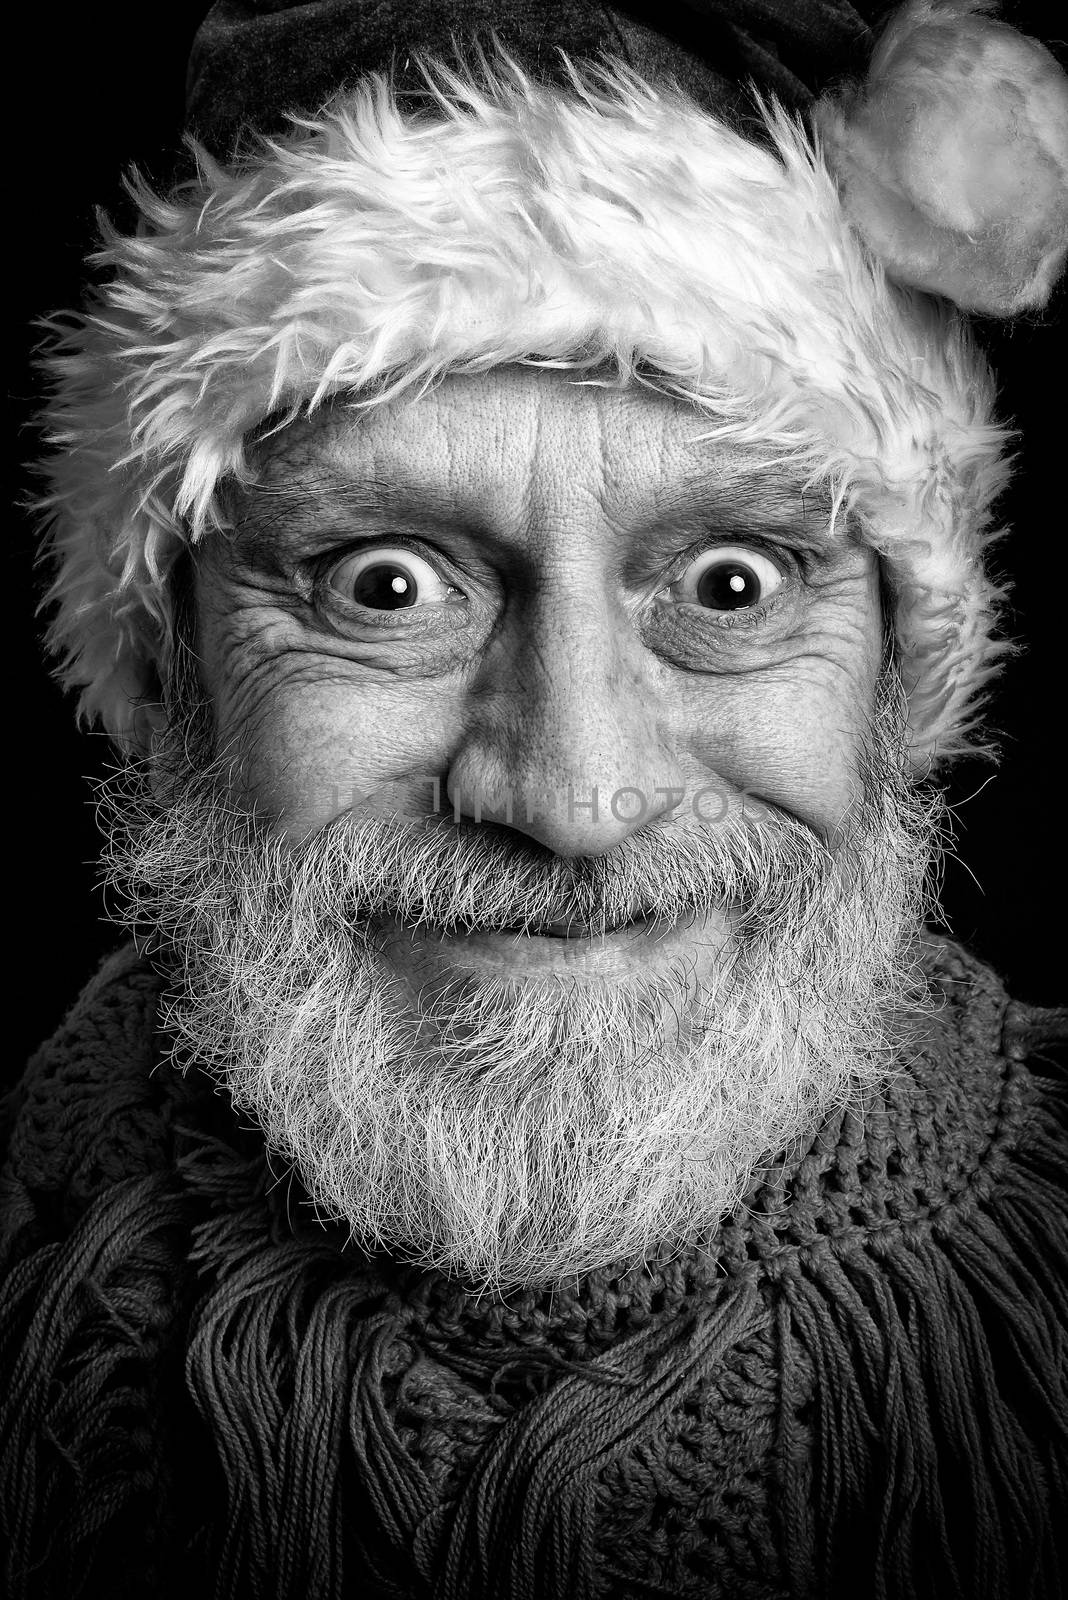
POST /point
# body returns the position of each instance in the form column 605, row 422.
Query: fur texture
column 952, row 158
column 611, row 226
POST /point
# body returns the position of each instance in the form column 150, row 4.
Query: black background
column 103, row 87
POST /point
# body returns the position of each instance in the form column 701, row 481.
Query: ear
column 952, row 157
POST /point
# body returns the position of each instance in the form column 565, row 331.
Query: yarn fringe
column 523, row 1524
column 892, row 1479
column 295, row 1363
column 928, row 1489
column 85, row 1331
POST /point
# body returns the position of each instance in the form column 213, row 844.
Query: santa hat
column 384, row 197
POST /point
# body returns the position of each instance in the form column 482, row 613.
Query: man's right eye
column 729, row 578
column 390, row 578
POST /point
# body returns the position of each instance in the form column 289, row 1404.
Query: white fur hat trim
column 369, row 254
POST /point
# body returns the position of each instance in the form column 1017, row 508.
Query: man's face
column 552, row 598
column 582, row 868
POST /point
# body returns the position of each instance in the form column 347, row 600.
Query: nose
column 567, row 739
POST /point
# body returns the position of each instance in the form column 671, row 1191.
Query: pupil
column 384, row 587
column 728, row 586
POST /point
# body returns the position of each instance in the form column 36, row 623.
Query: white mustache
column 459, row 878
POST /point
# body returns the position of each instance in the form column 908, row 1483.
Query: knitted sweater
column 860, row 1390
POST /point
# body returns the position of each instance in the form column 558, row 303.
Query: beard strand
column 521, row 1131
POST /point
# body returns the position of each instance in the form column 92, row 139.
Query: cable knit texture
column 859, row 1390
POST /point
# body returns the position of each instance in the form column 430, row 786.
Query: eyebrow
column 300, row 503
column 729, row 496
column 750, row 498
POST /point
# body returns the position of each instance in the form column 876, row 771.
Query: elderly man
column 523, row 521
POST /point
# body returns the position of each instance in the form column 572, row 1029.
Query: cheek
column 316, row 749
column 791, row 738
column 793, row 749
column 313, row 735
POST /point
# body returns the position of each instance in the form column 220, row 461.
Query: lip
column 562, row 929
column 641, row 946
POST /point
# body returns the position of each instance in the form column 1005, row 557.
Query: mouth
column 606, row 951
column 568, row 929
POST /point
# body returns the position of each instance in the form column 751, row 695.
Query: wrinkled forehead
column 521, row 447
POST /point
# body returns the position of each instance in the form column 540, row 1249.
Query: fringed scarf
column 861, row 1389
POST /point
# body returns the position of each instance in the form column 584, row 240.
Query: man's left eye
column 389, row 579
column 728, row 578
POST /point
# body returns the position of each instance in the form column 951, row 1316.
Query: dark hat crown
column 255, row 62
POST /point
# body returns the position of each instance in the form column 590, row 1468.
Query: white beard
column 522, row 1131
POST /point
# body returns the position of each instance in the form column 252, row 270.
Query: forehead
column 516, row 445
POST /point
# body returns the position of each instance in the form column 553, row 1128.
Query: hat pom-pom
column 952, row 157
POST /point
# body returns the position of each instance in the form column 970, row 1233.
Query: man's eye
column 728, row 578
column 389, row 580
